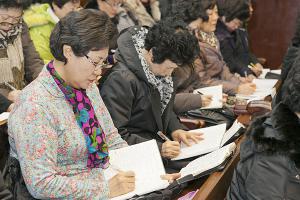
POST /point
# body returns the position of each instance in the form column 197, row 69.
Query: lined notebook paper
column 145, row 160
column 217, row 95
column 214, row 138
column 208, row 161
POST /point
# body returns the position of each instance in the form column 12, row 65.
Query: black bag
column 214, row 117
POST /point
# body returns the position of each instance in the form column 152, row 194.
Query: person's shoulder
column 121, row 71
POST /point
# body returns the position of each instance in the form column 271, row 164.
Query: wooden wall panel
column 272, row 27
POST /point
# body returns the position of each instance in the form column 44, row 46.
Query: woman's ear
column 68, row 52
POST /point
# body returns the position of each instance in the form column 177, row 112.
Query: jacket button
column 298, row 177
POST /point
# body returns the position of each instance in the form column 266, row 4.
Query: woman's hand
column 246, row 88
column 13, row 95
column 170, row 177
column 206, row 100
column 224, row 98
column 121, row 183
column 185, row 137
column 170, row 149
column 257, row 69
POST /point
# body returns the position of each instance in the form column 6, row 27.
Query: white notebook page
column 212, row 137
column 236, row 126
column 208, row 161
column 217, row 95
column 145, row 160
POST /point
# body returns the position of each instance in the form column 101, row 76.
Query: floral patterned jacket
column 50, row 146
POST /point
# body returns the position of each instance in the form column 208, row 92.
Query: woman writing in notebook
column 139, row 91
column 60, row 131
column 210, row 69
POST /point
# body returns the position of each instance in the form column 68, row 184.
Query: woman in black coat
column 234, row 40
column 269, row 166
column 139, row 91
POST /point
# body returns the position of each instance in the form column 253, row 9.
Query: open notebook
column 145, row 160
column 217, row 95
column 214, row 138
column 209, row 162
column 264, row 87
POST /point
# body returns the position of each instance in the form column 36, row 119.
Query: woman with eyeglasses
column 19, row 61
column 60, row 131
column 41, row 19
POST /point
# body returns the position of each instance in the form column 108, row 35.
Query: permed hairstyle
column 232, row 9
column 85, row 30
column 20, row 4
column 169, row 39
column 190, row 10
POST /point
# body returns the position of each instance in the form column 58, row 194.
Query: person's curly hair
column 169, row 39
column 20, row 4
column 232, row 9
column 291, row 88
column 190, row 10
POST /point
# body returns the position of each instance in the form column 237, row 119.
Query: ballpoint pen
column 163, row 136
column 10, row 86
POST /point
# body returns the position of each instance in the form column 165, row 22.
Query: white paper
column 208, row 161
column 236, row 126
column 263, row 88
column 212, row 137
column 145, row 160
column 217, row 96
column 4, row 116
column 265, row 71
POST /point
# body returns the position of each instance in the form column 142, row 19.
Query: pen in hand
column 163, row 136
column 10, row 86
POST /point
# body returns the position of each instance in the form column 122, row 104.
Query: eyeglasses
column 98, row 65
column 15, row 21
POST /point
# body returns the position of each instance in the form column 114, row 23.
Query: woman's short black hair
column 169, row 39
column 85, row 30
column 190, row 10
column 291, row 88
column 20, row 4
column 232, row 9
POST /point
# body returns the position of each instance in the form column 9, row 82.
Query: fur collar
column 278, row 132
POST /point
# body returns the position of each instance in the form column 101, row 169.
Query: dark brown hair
column 83, row 30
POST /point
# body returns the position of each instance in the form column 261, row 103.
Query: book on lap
column 145, row 161
column 214, row 137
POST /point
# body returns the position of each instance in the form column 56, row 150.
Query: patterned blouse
column 50, row 146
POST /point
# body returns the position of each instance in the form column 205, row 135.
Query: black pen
column 163, row 136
